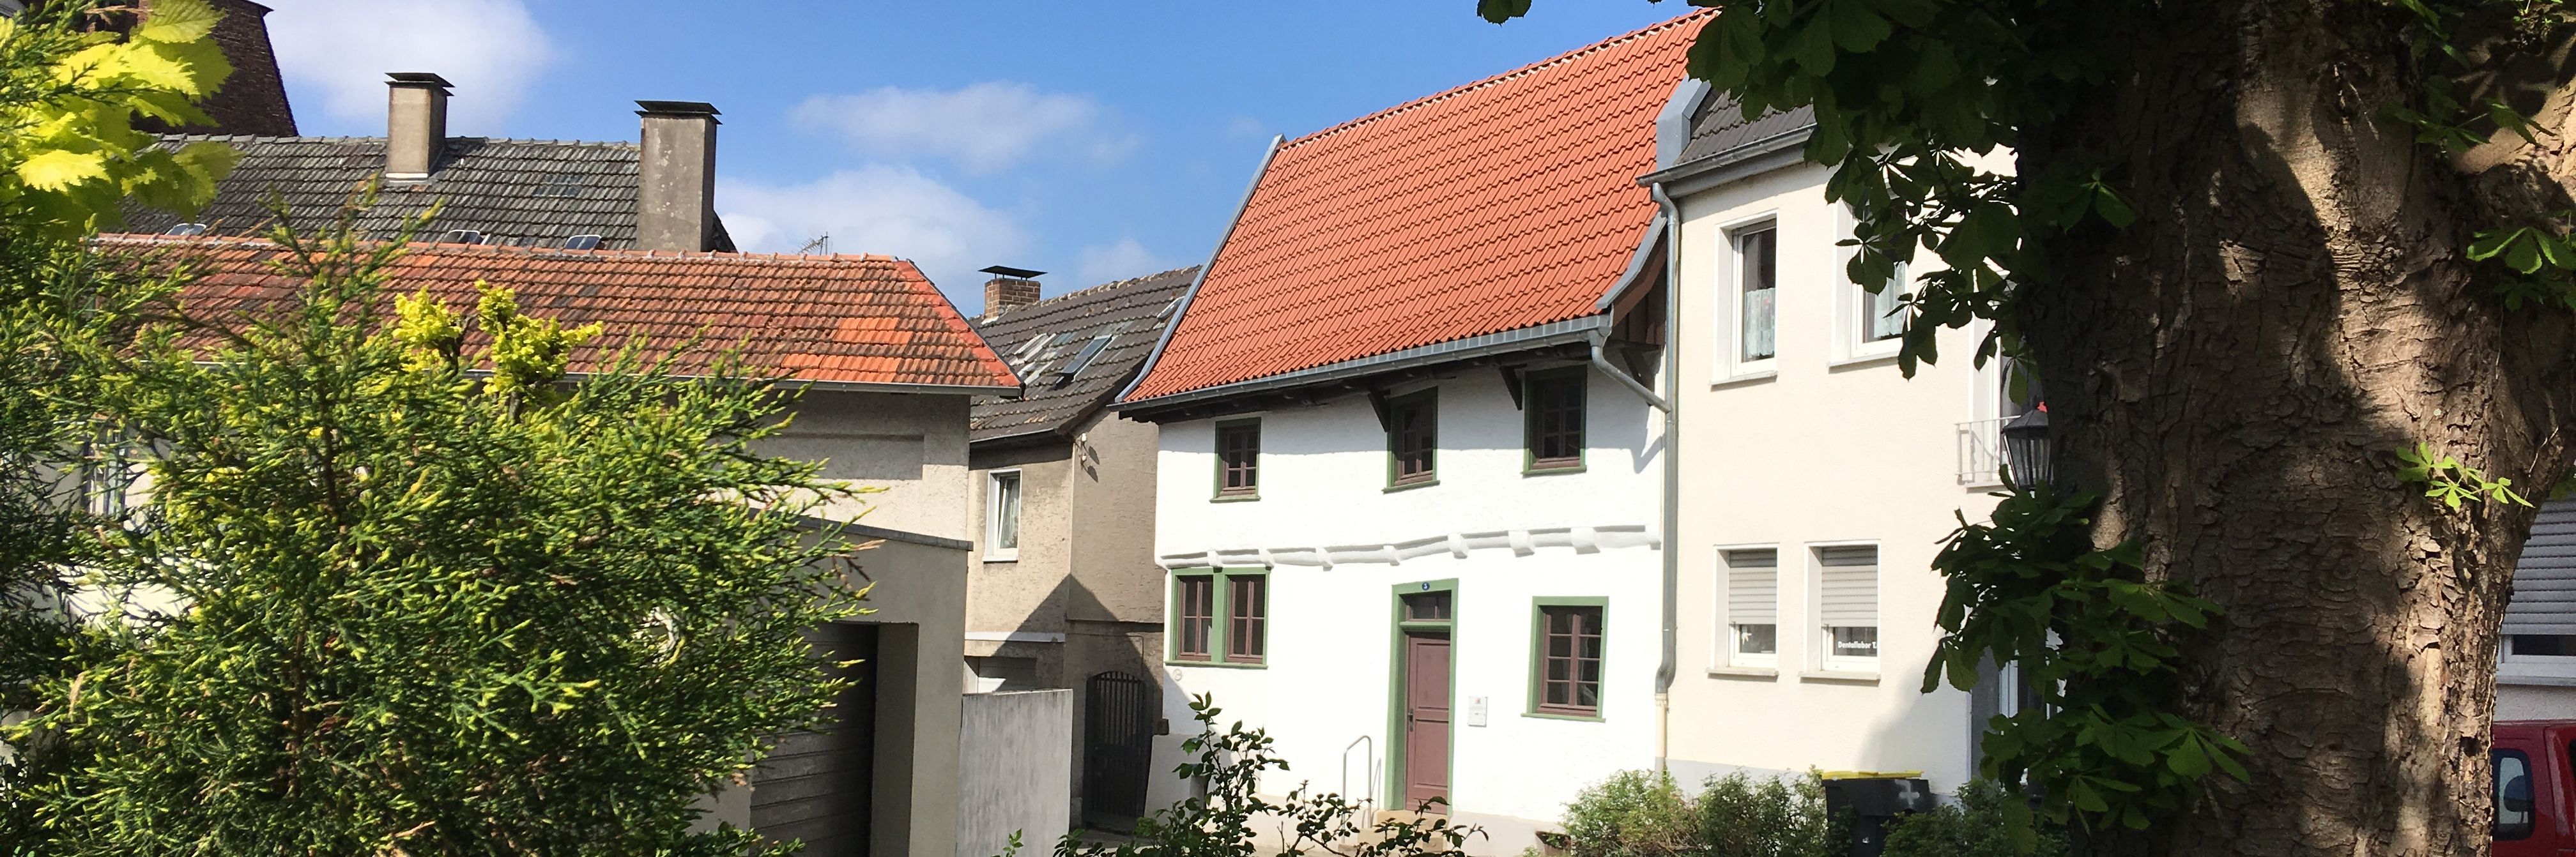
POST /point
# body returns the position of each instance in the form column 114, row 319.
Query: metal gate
column 1117, row 748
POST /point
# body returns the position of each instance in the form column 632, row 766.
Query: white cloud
column 1112, row 262
column 491, row 50
column 983, row 127
column 875, row 209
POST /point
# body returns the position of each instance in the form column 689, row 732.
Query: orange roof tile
column 1499, row 205
column 835, row 319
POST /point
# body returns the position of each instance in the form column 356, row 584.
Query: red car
column 2535, row 783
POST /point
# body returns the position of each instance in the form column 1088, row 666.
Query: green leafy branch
column 2100, row 647
column 2452, row 482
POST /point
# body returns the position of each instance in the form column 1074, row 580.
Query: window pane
column 1197, row 615
column 1757, row 639
column 1248, row 600
column 1758, row 252
column 1427, row 607
column 1415, row 437
column 1855, row 642
column 1882, row 314
column 2513, row 804
column 1238, row 454
column 2545, row 645
column 1006, row 511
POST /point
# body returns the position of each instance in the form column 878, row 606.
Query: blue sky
column 1093, row 140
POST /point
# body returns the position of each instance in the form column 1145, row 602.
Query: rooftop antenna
column 821, row 242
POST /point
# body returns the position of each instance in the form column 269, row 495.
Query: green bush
column 1632, row 814
column 1644, row 814
column 1768, row 817
column 1981, row 824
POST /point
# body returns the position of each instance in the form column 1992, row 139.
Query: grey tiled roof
column 1040, row 339
column 1720, row 127
column 516, row 192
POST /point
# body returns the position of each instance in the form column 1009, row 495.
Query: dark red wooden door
column 1426, row 718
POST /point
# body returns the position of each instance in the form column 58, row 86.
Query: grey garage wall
column 1015, row 771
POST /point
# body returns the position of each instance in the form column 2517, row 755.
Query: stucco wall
column 1327, row 680
column 1015, row 767
column 1113, row 477
column 1826, row 450
column 912, row 445
column 1023, row 593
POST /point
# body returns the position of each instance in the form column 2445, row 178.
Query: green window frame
column 1592, row 622
column 1413, row 440
column 1554, row 419
column 1219, row 617
column 1238, row 480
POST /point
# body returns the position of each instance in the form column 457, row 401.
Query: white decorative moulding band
column 1454, row 545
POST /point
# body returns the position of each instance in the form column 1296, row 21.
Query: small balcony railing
column 1981, row 452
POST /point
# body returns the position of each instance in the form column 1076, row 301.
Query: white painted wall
column 1825, row 445
column 1326, row 683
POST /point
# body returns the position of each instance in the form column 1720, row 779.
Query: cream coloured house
column 1817, row 480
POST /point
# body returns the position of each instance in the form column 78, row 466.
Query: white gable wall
column 1505, row 537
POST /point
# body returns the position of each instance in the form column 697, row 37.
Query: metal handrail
column 1368, row 779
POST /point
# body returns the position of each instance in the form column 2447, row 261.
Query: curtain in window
column 1759, row 252
column 1006, row 511
column 1884, row 316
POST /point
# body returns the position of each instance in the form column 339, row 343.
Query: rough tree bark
column 2235, row 371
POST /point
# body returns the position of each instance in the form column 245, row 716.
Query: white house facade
column 1411, row 448
column 1358, row 621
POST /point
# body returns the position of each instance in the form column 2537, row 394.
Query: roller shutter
column 2544, row 580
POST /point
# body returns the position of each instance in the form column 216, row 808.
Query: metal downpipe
column 1665, row 672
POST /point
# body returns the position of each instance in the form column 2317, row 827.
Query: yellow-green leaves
column 173, row 21
column 70, row 102
column 60, row 170
column 527, row 353
column 429, row 332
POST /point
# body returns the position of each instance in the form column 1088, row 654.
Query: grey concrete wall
column 920, row 599
column 1015, row 766
column 910, row 445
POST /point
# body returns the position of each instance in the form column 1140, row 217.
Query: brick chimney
column 676, row 198
column 1009, row 289
column 415, row 124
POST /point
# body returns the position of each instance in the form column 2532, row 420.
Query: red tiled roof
column 1495, row 206
column 840, row 319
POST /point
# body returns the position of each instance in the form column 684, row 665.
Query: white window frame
column 993, row 551
column 1731, row 367
column 1723, row 653
column 1820, row 639
column 2553, row 669
column 1851, row 303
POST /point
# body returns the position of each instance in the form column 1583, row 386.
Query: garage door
column 815, row 788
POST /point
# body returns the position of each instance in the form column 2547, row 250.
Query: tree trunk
column 2235, row 373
